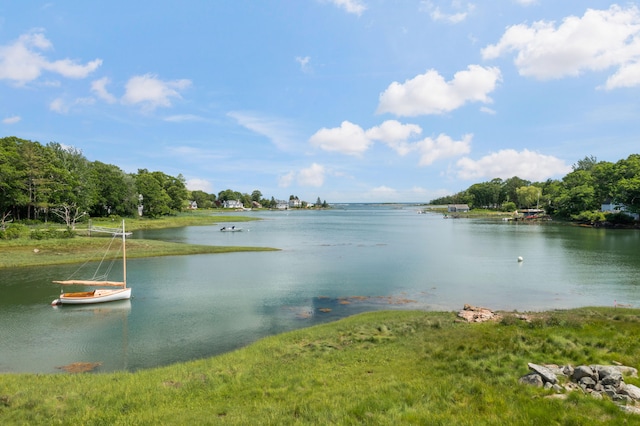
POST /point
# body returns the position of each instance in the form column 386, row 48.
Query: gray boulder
column 532, row 379
column 584, row 371
column 547, row 375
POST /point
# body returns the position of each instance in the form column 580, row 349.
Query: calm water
column 377, row 257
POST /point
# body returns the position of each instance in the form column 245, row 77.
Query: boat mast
column 124, row 258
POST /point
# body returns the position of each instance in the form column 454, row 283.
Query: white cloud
column 313, row 175
column 599, row 40
column 63, row 106
column 351, row 6
column 395, row 135
column 21, row 61
column 11, row 120
column 347, row 139
column 99, row 87
column 304, row 63
column 441, row 147
column 58, row 105
column 287, row 180
column 436, row 13
column 196, row 184
column 526, row 2
column 152, row 92
column 279, row 131
column 350, row 139
column 508, row 163
column 429, row 93
column 626, row 76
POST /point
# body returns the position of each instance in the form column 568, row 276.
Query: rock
column 630, row 409
column 608, row 375
column 583, row 371
column 557, row 396
column 631, row 391
column 532, row 379
column 567, row 370
column 555, row 369
column 587, row 382
column 546, row 374
column 627, row 371
column 476, row 314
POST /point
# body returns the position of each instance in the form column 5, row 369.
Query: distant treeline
column 57, row 183
column 578, row 195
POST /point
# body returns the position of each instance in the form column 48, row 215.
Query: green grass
column 23, row 252
column 382, row 368
column 195, row 218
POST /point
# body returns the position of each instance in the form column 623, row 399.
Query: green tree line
column 51, row 182
column 578, row 195
column 56, row 183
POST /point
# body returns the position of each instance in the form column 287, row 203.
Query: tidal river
column 332, row 263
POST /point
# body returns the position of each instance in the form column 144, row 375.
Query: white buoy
column 520, row 259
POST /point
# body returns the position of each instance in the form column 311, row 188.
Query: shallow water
column 332, row 264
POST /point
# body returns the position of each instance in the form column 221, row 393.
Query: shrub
column 509, row 206
column 16, row 230
column 589, row 217
column 619, row 218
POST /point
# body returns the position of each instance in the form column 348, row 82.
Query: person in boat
column 223, row 228
column 233, row 227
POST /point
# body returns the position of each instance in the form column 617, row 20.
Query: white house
column 457, row 208
column 610, row 206
column 282, row 204
column 232, row 204
column 295, row 203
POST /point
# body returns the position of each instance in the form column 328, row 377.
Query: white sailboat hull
column 96, row 296
column 100, row 295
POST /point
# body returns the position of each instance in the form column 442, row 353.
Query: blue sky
column 346, row 100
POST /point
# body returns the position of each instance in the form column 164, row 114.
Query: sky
column 343, row 100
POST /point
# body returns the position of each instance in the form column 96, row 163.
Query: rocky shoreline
column 599, row 381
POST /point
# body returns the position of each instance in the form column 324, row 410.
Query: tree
column 12, row 180
column 577, row 194
column 627, row 189
column 155, row 200
column 486, row 194
column 510, row 189
column 175, row 188
column 74, row 192
column 201, row 198
column 115, row 191
column 528, row 196
column 586, row 164
column 256, row 196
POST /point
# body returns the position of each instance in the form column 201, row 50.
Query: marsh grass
column 389, row 368
column 23, row 252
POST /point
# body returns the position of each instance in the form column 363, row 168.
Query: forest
column 579, row 195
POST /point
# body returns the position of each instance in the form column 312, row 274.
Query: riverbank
column 395, row 367
column 25, row 252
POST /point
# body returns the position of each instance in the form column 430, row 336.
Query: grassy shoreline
column 25, row 252
column 389, row 367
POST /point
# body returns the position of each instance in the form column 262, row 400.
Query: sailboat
column 99, row 295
